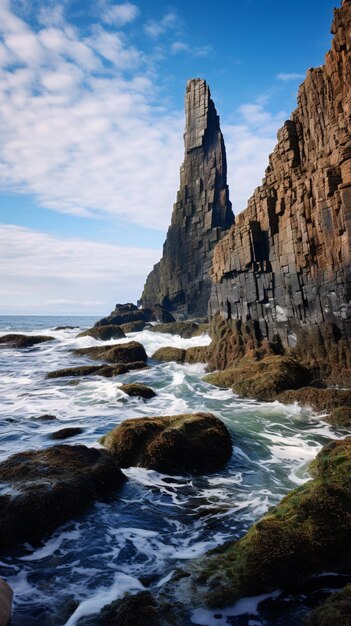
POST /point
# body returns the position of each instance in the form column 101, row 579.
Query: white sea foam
column 245, row 606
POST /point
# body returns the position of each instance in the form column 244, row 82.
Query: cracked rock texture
column 201, row 215
column 285, row 264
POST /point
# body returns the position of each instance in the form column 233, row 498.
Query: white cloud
column 120, row 14
column 199, row 51
column 43, row 273
column 179, row 46
column 248, row 144
column 292, row 76
column 156, row 28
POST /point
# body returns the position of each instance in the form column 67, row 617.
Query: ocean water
column 156, row 522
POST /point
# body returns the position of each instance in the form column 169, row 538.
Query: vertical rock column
column 201, row 215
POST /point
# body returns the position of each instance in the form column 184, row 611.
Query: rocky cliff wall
column 201, row 215
column 285, row 264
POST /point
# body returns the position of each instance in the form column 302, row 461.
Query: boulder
column 196, row 354
column 336, row 610
column 306, row 534
column 138, row 390
column 169, row 354
column 23, row 341
column 184, row 329
column 89, row 370
column 320, row 399
column 133, row 327
column 46, row 417
column 103, row 333
column 340, row 417
column 48, row 487
column 262, row 379
column 140, row 609
column 194, row 443
column 117, row 353
column 125, row 314
column 65, row 433
column 6, row 596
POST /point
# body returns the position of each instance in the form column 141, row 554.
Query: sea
column 156, row 522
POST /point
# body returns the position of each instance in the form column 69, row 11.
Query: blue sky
column 91, row 122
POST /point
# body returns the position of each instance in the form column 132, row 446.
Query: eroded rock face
column 285, row 264
column 195, row 443
column 201, row 214
column 51, row 486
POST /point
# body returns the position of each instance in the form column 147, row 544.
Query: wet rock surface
column 138, row 390
column 108, row 371
column 336, row 610
column 118, row 353
column 66, row 433
column 194, row 443
column 23, row 341
column 50, row 486
column 183, row 329
column 103, row 333
column 201, row 215
column 133, row 327
column 168, row 353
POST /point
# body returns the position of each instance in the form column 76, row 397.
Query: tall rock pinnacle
column 201, row 215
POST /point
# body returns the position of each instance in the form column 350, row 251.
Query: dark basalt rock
column 46, row 417
column 179, row 443
column 138, row 390
column 23, row 341
column 65, row 433
column 167, row 354
column 52, row 486
column 108, row 371
column 201, row 215
column 118, row 353
column 103, row 333
column 184, row 329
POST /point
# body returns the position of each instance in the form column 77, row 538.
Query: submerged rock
column 6, row 596
column 65, row 433
column 262, row 379
column 108, row 371
column 336, row 610
column 169, row 354
column 195, row 443
column 103, row 333
column 118, row 353
column 184, row 329
column 138, row 390
column 23, row 341
column 46, row 417
column 51, row 486
column 307, row 533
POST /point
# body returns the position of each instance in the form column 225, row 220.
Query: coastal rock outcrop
column 117, row 353
column 23, row 341
column 285, row 264
column 103, row 333
column 201, row 214
column 47, row 487
column 194, row 443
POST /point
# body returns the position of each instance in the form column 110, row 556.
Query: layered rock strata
column 201, row 214
column 285, row 264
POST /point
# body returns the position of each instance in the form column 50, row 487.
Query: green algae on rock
column 168, row 354
column 261, row 379
column 336, row 610
column 307, row 533
column 117, row 353
column 194, row 443
column 103, row 333
column 184, row 329
column 138, row 390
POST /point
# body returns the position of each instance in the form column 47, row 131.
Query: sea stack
column 202, row 214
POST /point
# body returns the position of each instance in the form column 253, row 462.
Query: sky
column 91, row 130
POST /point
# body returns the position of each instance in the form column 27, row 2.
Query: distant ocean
column 156, row 522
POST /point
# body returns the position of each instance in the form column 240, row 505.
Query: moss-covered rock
column 117, row 353
column 308, row 532
column 336, row 610
column 133, row 327
column 340, row 417
column 168, row 354
column 179, row 443
column 184, row 329
column 138, row 390
column 202, row 329
column 51, row 486
column 262, row 379
column 196, row 354
column 108, row 371
column 23, row 341
column 103, row 333
column 65, row 433
column 320, row 399
column 140, row 609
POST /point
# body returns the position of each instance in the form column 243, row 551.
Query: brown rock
column 23, row 341
column 184, row 329
column 6, row 595
column 65, row 433
column 178, row 443
column 117, row 353
column 138, row 390
column 317, row 398
column 103, row 333
column 107, row 371
column 169, row 354
column 133, row 327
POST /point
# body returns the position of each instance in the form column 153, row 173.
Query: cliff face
column 201, row 215
column 285, row 265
